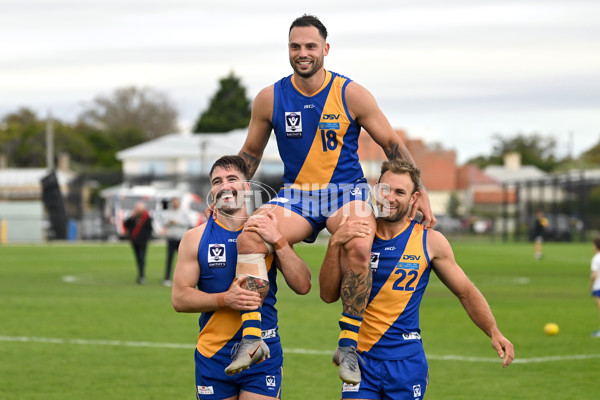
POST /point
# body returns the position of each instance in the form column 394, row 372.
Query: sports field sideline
column 75, row 325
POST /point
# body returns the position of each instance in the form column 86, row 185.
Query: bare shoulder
column 437, row 244
column 194, row 234
column 262, row 109
column 360, row 101
column 265, row 96
column 355, row 91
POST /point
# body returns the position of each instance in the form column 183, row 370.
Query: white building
column 183, row 154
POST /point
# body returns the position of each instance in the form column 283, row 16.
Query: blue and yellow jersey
column 390, row 328
column 221, row 329
column 316, row 137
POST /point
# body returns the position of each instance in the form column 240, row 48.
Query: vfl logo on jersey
column 416, row 390
column 271, row 381
column 374, row 262
column 293, row 125
column 217, row 257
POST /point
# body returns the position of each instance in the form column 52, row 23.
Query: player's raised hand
column 266, row 225
column 349, row 229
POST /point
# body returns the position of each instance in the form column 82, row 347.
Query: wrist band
column 280, row 244
column 221, row 300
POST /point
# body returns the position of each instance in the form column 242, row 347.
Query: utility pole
column 571, row 145
column 49, row 142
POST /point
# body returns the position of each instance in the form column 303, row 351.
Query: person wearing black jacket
column 139, row 231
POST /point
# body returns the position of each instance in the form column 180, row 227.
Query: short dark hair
column 230, row 161
column 597, row 242
column 397, row 166
column 310, row 20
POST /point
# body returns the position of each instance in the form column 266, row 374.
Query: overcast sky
column 449, row 72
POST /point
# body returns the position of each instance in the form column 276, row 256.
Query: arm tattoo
column 252, row 163
column 402, row 153
column 355, row 292
column 397, row 151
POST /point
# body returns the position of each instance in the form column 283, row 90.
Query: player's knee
column 359, row 251
column 250, row 242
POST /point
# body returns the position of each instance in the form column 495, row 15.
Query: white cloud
column 456, row 71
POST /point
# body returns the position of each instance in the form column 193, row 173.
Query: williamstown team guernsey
column 220, row 330
column 316, row 137
column 390, row 328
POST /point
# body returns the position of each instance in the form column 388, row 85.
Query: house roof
column 523, row 173
column 180, row 145
column 470, row 174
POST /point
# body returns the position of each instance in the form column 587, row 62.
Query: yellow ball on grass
column 551, row 329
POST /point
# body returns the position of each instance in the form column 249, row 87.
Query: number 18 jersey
column 316, row 137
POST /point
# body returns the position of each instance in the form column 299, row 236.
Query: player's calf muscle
column 250, row 242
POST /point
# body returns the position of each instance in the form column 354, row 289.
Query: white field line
column 92, row 342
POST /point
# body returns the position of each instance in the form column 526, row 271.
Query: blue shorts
column 390, row 379
column 213, row 383
column 316, row 206
column 596, row 293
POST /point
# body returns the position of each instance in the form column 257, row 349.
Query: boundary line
column 122, row 343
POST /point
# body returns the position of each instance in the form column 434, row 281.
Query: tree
column 535, row 149
column 23, row 140
column 145, row 109
column 592, row 155
column 229, row 108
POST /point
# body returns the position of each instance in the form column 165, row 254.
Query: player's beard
column 232, row 207
column 396, row 216
column 316, row 66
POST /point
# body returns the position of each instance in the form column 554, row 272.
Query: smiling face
column 228, row 188
column 307, row 50
column 395, row 195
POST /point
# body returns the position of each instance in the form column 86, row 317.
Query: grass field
column 74, row 325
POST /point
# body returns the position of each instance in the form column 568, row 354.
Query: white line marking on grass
column 70, row 279
column 95, row 342
column 187, row 346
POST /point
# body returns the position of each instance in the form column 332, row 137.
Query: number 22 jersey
column 401, row 268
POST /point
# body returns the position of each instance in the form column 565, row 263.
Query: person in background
column 177, row 222
column 595, row 279
column 139, row 231
column 539, row 230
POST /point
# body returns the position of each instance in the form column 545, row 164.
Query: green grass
column 88, row 323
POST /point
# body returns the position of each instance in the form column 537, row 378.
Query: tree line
column 110, row 123
column 131, row 115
